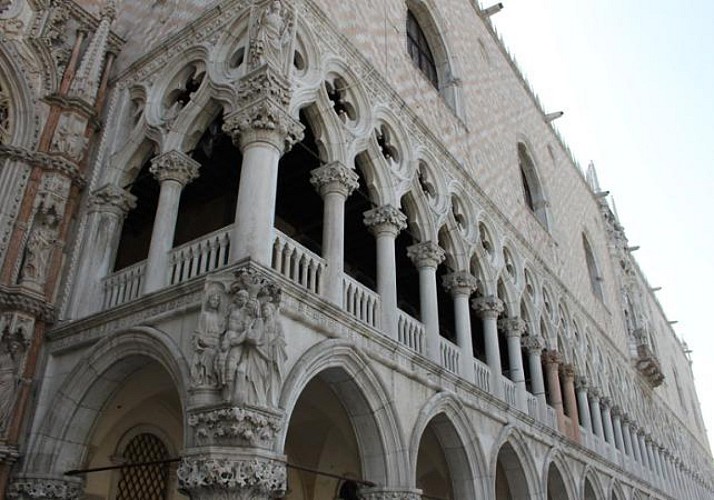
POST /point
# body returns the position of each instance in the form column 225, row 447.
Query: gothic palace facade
column 309, row 249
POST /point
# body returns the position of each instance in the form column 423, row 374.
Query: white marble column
column 596, row 412
column 583, row 403
column 643, row 450
column 513, row 329
column 173, row 170
column 570, row 400
column 426, row 257
column 386, row 222
column 534, row 346
column 488, row 308
column 617, row 426
column 606, row 406
column 650, row 455
column 627, row 436
column 335, row 183
column 108, row 206
column 636, row 451
column 461, row 285
column 261, row 93
column 553, row 359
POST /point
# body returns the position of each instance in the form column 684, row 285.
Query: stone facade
column 253, row 243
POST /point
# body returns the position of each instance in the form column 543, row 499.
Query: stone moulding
column 235, row 426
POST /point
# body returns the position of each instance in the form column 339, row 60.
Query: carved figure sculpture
column 211, row 325
column 38, row 248
column 12, row 349
column 271, row 36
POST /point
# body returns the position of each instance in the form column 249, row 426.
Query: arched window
column 593, row 271
column 149, row 482
column 419, row 49
column 533, row 194
column 5, row 118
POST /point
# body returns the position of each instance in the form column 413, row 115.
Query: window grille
column 419, row 50
column 5, row 121
column 148, row 482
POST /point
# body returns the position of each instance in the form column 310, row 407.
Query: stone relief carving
column 235, row 479
column 42, row 238
column 239, row 344
column 44, row 488
column 13, row 344
column 272, row 33
column 235, row 426
column 69, row 138
column 5, row 119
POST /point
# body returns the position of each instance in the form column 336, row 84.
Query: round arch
column 463, row 452
column 82, row 396
column 367, row 403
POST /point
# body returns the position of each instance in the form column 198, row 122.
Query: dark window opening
column 447, row 320
column 408, row 298
column 477, row 333
column 209, row 202
column 360, row 244
column 349, row 491
column 527, row 193
column 299, row 208
column 419, row 50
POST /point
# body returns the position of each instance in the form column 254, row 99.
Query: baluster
column 287, row 261
column 304, row 263
column 277, row 255
column 312, row 285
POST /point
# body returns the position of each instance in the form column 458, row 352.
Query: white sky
column 634, row 78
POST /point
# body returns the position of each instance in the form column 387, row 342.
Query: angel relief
column 239, row 346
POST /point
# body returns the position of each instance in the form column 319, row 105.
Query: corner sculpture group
column 239, row 346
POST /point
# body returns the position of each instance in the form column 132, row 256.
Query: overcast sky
column 635, row 80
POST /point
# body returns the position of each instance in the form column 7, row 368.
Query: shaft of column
column 596, row 413
column 636, row 451
column 643, row 451
column 626, row 433
column 426, row 257
column 514, row 329
column 534, row 346
column 570, row 400
column 650, row 456
column 584, row 404
column 386, row 222
column 173, row 170
column 617, row 425
column 335, row 183
column 461, row 285
column 489, row 308
column 552, row 367
column 607, row 421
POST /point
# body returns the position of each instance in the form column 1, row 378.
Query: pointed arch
column 364, row 397
column 533, row 191
column 558, row 478
column 510, row 453
column 590, row 486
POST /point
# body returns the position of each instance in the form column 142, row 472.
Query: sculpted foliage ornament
column 427, row 254
column 44, row 489
column 239, row 346
column 385, row 219
column 223, row 478
column 235, row 426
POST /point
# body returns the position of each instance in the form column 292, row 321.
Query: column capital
column 581, row 383
column 261, row 112
column 334, row 178
column 616, row 412
column 594, row 393
column 234, row 426
column 426, row 254
column 389, row 494
column 45, row 488
column 533, row 344
column 552, row 357
column 460, row 283
column 512, row 327
column 112, row 199
column 488, row 307
column 568, row 371
column 606, row 403
column 174, row 166
column 237, row 474
column 385, row 219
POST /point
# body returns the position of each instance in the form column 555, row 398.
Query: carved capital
column 112, row 199
column 552, row 357
column 234, row 477
column 512, row 327
column 533, row 344
column 460, row 283
column 389, row 494
column 262, row 116
column 606, row 403
column 488, row 307
column 616, row 412
column 427, row 254
column 581, row 383
column 175, row 166
column 594, row 394
column 45, row 488
column 385, row 219
column 235, row 426
column 568, row 371
column 334, row 178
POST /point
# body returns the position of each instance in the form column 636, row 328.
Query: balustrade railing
column 550, row 419
column 199, row 256
column 449, row 355
column 532, row 403
column 297, row 263
column 410, row 332
column 509, row 391
column 124, row 285
column 360, row 301
column 482, row 375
